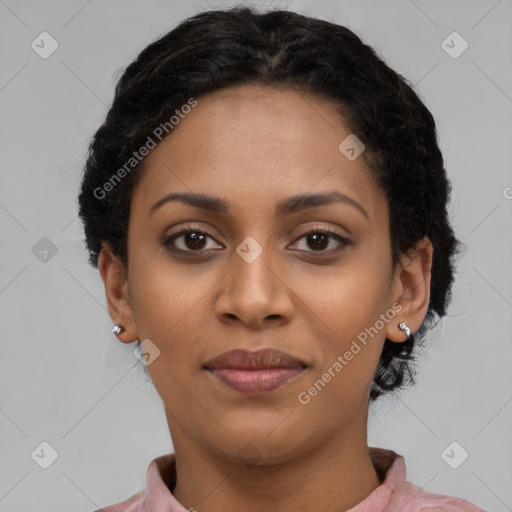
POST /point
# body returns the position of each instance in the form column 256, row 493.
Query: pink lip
column 256, row 381
column 255, row 372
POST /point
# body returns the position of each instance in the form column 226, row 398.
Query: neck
column 335, row 475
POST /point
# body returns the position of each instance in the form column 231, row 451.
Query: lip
column 255, row 373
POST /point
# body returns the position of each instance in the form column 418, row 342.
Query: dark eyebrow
column 287, row 206
column 302, row 201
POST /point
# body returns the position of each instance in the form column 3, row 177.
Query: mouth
column 254, row 373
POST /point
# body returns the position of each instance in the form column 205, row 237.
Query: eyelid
column 189, row 228
column 343, row 240
column 323, row 229
column 309, row 229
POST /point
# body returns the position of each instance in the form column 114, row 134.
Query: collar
column 161, row 475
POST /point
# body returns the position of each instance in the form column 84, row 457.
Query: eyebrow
column 285, row 207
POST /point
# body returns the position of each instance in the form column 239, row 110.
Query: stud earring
column 117, row 328
column 403, row 327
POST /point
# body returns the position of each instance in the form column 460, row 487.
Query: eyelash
column 191, row 229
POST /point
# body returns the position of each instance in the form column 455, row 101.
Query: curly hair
column 222, row 48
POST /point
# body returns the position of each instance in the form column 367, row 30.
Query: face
column 308, row 277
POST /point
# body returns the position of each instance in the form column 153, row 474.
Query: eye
column 195, row 240
column 189, row 240
column 318, row 240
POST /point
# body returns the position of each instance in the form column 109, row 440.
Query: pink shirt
column 395, row 494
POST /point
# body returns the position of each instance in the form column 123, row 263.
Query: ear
column 411, row 288
column 115, row 280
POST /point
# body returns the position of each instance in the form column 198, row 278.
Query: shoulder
column 415, row 499
column 129, row 505
column 156, row 495
column 407, row 497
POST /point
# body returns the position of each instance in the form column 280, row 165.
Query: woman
column 266, row 203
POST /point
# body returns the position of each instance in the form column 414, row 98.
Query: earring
column 403, row 327
column 117, row 328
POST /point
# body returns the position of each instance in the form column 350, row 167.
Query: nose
column 255, row 293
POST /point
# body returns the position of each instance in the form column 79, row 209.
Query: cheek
column 167, row 295
column 347, row 307
column 350, row 352
column 172, row 311
column 347, row 301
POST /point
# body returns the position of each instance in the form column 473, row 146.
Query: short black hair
column 221, row 48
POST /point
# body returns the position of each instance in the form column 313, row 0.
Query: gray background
column 64, row 378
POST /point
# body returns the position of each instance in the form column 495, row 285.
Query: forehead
column 256, row 143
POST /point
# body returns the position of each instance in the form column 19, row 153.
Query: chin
column 261, row 450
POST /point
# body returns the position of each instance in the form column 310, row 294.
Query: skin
column 254, row 146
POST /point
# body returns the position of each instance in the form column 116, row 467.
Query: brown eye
column 194, row 240
column 317, row 240
column 188, row 240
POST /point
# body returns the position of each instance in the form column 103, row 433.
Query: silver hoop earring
column 403, row 327
column 117, row 328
